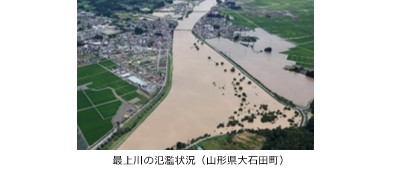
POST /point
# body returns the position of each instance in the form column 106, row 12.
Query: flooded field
column 268, row 67
column 201, row 97
column 81, row 144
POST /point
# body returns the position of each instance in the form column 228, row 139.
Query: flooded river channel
column 202, row 96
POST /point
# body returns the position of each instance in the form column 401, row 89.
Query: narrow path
column 91, row 75
column 195, row 143
column 96, row 105
column 93, row 105
column 246, row 19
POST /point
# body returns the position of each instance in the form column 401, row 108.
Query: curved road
column 195, row 143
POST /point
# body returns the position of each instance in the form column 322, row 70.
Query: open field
column 82, row 101
column 107, row 63
column 102, row 78
column 92, row 125
column 291, row 20
column 126, row 90
column 100, row 93
column 98, row 97
column 109, row 110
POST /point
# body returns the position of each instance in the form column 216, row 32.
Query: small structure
column 146, row 10
column 125, row 75
column 138, row 81
column 199, row 148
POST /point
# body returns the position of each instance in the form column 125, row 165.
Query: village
column 140, row 48
column 214, row 25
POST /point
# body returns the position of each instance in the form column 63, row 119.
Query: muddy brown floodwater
column 201, row 96
column 268, row 67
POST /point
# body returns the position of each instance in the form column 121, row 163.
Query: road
column 195, row 143
column 304, row 117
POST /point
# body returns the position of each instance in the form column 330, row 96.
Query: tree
column 249, row 82
column 310, row 125
column 232, row 69
column 224, row 70
column 180, row 145
column 310, row 74
column 221, row 63
column 138, row 31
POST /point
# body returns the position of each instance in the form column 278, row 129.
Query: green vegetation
column 297, row 26
column 109, row 110
column 138, row 119
column 82, row 101
column 126, row 90
column 292, row 138
column 250, row 119
column 268, row 117
column 248, row 39
column 98, row 97
column 233, row 141
column 107, row 64
column 110, row 7
column 92, row 125
column 221, row 125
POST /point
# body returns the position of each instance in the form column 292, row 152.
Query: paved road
column 195, row 143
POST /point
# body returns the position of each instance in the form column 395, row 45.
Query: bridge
column 182, row 30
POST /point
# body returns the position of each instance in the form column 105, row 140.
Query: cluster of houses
column 214, row 24
column 140, row 48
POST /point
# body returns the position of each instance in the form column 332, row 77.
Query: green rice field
column 297, row 26
column 99, row 92
column 109, row 110
column 92, row 125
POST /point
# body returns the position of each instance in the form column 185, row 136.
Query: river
column 197, row 101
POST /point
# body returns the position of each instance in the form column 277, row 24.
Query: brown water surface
column 195, row 105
